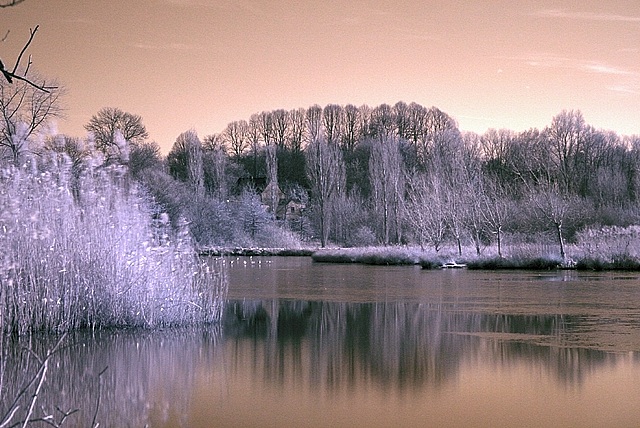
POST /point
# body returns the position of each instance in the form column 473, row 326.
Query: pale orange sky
column 199, row 64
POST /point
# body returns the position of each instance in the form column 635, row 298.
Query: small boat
column 453, row 265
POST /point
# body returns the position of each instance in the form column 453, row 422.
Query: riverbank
column 239, row 251
column 429, row 260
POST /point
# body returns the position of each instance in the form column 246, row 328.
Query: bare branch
column 42, row 87
column 31, row 36
column 11, row 3
column 10, row 75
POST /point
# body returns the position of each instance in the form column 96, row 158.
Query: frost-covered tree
column 425, row 209
column 387, row 187
column 272, row 178
column 25, row 111
column 326, row 173
column 185, row 161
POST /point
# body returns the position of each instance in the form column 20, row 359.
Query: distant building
column 287, row 208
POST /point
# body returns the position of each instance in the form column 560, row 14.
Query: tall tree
column 352, row 131
column 425, row 209
column 280, row 126
column 272, row 178
column 326, row 172
column 185, row 161
column 387, row 182
column 297, row 127
column 332, row 119
column 235, row 136
column 314, row 123
column 569, row 139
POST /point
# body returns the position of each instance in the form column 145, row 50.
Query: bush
column 372, row 256
column 529, row 263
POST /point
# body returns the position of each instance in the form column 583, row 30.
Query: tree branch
column 11, row 3
column 10, row 75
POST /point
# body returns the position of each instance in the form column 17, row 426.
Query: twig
column 13, row 408
column 44, row 368
column 95, row 414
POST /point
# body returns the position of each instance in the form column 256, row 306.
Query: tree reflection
column 400, row 345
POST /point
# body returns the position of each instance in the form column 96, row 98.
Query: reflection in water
column 383, row 364
column 401, row 344
column 147, row 373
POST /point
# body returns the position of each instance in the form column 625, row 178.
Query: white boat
column 453, row 265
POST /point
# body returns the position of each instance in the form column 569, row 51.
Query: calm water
column 346, row 345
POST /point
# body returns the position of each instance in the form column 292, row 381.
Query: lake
column 326, row 345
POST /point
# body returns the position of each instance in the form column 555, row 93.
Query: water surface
column 326, row 345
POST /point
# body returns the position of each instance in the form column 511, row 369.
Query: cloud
column 624, row 89
column 545, row 60
column 585, row 16
column 596, row 67
column 167, row 46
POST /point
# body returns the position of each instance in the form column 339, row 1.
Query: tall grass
column 84, row 251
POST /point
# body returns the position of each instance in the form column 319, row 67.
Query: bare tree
column 425, row 209
column 383, row 121
column 495, row 208
column 24, row 111
column 214, row 164
column 401, row 115
column 326, row 172
column 266, row 127
column 144, row 156
column 387, row 180
column 352, row 131
column 314, row 123
column 185, row 161
column 235, row 135
column 332, row 118
column 568, row 138
column 272, row 178
column 297, row 127
column 253, row 138
column 280, row 125
column 108, row 122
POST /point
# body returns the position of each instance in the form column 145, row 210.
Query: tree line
column 386, row 175
column 406, row 174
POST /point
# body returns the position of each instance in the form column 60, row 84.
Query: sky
column 198, row 64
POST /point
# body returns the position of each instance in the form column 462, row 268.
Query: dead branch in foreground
column 10, row 75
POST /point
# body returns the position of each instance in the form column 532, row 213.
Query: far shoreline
column 409, row 256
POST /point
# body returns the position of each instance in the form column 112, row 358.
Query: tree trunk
column 560, row 240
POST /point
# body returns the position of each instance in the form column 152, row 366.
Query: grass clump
column 84, row 251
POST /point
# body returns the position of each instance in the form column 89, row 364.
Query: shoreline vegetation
column 525, row 258
column 429, row 260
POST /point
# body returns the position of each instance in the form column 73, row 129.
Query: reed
column 84, row 252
